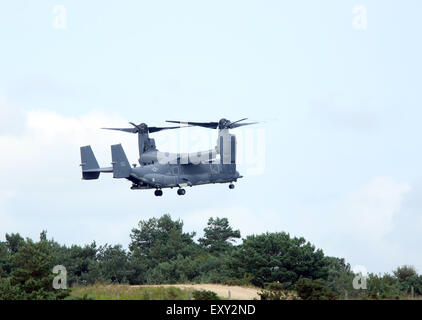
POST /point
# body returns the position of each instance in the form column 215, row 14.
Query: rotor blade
column 135, row 125
column 210, row 125
column 239, row 120
column 241, row 124
column 156, row 129
column 130, row 130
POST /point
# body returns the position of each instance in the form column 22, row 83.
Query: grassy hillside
column 127, row 292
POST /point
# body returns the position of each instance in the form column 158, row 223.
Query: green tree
column 404, row 272
column 9, row 292
column 272, row 257
column 340, row 278
column 13, row 242
column 155, row 242
column 5, row 264
column 43, row 235
column 204, row 295
column 113, row 263
column 80, row 262
column 308, row 289
column 161, row 240
column 211, row 268
column 31, row 276
column 408, row 277
column 139, row 268
column 218, row 235
column 382, row 287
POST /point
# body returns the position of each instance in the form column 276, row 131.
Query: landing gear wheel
column 181, row 192
column 158, row 193
column 231, row 186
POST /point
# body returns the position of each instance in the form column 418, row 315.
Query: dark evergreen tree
column 273, row 257
column 5, row 264
column 408, row 278
column 13, row 242
column 157, row 241
column 161, row 240
column 308, row 289
column 218, row 235
column 113, row 263
column 31, row 276
column 404, row 272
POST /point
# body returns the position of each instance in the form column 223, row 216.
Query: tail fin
column 121, row 166
column 228, row 153
column 89, row 164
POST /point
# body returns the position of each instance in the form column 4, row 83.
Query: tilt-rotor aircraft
column 148, row 153
column 160, row 170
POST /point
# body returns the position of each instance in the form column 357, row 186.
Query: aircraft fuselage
column 178, row 175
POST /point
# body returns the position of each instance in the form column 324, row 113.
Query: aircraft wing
column 179, row 158
column 197, row 157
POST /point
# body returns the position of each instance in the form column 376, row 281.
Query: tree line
column 160, row 252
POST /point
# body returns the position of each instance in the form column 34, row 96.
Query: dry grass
column 127, row 292
column 236, row 292
column 161, row 292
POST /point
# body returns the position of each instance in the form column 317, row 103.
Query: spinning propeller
column 222, row 124
column 142, row 128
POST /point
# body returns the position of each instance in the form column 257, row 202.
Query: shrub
column 204, row 295
column 308, row 289
column 274, row 291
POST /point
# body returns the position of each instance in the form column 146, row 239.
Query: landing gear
column 231, row 186
column 181, row 192
column 158, row 192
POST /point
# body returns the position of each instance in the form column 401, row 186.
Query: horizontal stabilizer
column 107, row 169
column 90, row 168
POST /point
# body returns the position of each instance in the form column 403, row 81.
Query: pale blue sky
column 341, row 108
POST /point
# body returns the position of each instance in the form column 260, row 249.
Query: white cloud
column 367, row 213
column 6, row 218
column 360, row 225
column 342, row 113
column 49, row 136
column 43, row 159
column 11, row 118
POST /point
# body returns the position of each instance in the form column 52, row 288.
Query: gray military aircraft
column 148, row 152
column 163, row 170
